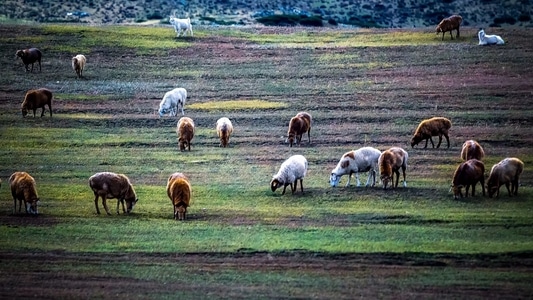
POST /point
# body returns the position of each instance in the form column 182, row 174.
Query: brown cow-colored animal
column 185, row 131
column 299, row 124
column 468, row 174
column 437, row 126
column 108, row 185
column 390, row 162
column 449, row 24
column 472, row 149
column 30, row 56
column 507, row 171
column 35, row 99
column 179, row 192
column 23, row 188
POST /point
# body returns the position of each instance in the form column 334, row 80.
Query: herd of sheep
column 107, row 185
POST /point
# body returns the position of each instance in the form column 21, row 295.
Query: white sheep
column 224, row 131
column 361, row 160
column 291, row 170
column 173, row 101
column 180, row 24
column 485, row 39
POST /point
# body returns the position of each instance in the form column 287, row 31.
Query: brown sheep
column 35, row 99
column 224, row 131
column 390, row 161
column 30, row 56
column 505, row 172
column 472, row 149
column 108, row 185
column 436, row 126
column 299, row 124
column 185, row 131
column 23, row 188
column 468, row 174
column 179, row 192
column 78, row 64
column 449, row 24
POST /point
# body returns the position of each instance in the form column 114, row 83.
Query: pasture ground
column 363, row 88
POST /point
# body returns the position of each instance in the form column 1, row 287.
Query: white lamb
column 172, row 102
column 180, row 24
column 291, row 170
column 361, row 160
column 485, row 39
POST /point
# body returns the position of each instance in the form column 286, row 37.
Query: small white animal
column 180, row 24
column 172, row 101
column 485, row 39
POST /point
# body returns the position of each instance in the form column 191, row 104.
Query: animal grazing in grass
column 23, row 188
column 108, row 185
column 390, row 162
column 291, row 170
column 30, row 56
column 507, row 172
column 472, row 149
column 224, row 131
column 450, row 24
column 181, row 24
column 179, row 192
column 361, row 160
column 467, row 174
column 35, row 99
column 173, row 101
column 299, row 124
column 486, row 39
column 437, row 126
column 185, row 132
column 78, row 64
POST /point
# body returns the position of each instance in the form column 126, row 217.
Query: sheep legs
column 104, row 202
column 295, row 186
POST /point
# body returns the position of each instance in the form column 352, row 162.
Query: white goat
column 173, row 101
column 291, row 170
column 485, row 39
column 361, row 160
column 180, row 24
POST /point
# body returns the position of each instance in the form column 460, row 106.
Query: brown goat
column 35, row 99
column 390, row 161
column 299, row 124
column 108, row 185
column 449, row 24
column 23, row 188
column 472, row 149
column 505, row 172
column 468, row 174
column 185, row 131
column 179, row 192
column 30, row 56
column 78, row 64
column 224, row 131
column 436, row 126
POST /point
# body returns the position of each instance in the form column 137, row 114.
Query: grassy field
column 363, row 88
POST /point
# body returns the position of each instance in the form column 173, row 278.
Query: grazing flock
column 387, row 163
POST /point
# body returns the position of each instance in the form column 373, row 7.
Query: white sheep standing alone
column 78, row 64
column 173, row 101
column 486, row 39
column 361, row 160
column 291, row 170
column 180, row 24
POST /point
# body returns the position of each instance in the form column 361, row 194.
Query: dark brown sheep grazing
column 185, row 131
column 179, row 192
column 390, row 162
column 109, row 185
column 23, row 188
column 35, row 99
column 449, row 24
column 472, row 149
column 505, row 172
column 436, row 126
column 299, row 124
column 30, row 56
column 468, row 174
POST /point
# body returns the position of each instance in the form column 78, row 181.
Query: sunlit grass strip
column 237, row 105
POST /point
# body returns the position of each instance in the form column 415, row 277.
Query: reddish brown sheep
column 299, row 124
column 30, row 56
column 224, row 131
column 185, row 131
column 505, row 172
column 35, row 99
column 23, row 188
column 449, row 24
column 436, row 126
column 472, row 149
column 468, row 174
column 78, row 64
column 179, row 192
column 390, row 161
column 108, row 185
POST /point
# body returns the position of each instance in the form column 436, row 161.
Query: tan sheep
column 108, row 185
column 468, row 174
column 505, row 172
column 390, row 162
column 179, row 192
column 78, row 64
column 299, row 124
column 30, row 56
column 472, row 149
column 185, row 131
column 35, row 99
column 23, row 188
column 437, row 126
column 449, row 24
column 224, row 131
